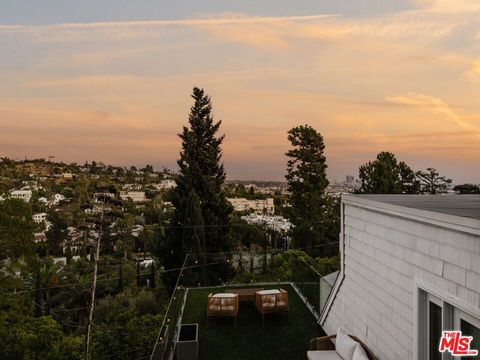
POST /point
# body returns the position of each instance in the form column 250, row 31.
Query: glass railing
column 165, row 343
column 312, row 285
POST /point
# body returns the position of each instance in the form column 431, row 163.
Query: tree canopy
column 307, row 181
column 385, row 175
column 432, row 183
column 16, row 228
column 467, row 189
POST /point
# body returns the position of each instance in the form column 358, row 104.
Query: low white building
column 132, row 187
column 410, row 268
column 278, row 223
column 24, row 195
column 259, row 206
column 39, row 217
column 57, row 198
column 136, row 196
column 165, row 184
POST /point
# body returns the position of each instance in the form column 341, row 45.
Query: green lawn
column 279, row 338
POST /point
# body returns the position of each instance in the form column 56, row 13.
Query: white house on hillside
column 410, row 267
column 259, row 206
column 25, row 195
column 165, row 184
column 57, row 198
column 39, row 217
column 136, row 196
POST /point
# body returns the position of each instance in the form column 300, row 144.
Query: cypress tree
column 201, row 218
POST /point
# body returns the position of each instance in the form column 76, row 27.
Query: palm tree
column 146, row 237
column 46, row 281
column 125, row 242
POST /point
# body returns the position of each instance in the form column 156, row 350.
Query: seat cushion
column 268, row 305
column 216, row 301
column 225, row 308
column 227, row 301
column 323, row 355
column 345, row 345
column 268, row 298
column 359, row 353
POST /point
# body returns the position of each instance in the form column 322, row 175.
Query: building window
column 469, row 326
column 435, row 315
column 434, row 332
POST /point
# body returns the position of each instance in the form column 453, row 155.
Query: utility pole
column 92, row 301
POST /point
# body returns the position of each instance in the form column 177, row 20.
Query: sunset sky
column 111, row 80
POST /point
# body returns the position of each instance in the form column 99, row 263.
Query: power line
column 53, row 313
column 94, row 286
column 63, row 285
column 171, row 269
column 168, row 308
column 177, row 226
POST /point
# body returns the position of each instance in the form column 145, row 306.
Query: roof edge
column 449, row 221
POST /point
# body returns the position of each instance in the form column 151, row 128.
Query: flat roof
column 467, row 206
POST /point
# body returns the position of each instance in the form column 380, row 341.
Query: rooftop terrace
column 282, row 336
column 279, row 335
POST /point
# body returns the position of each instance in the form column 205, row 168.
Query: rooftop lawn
column 279, row 338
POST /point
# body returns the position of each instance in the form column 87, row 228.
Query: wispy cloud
column 450, row 5
column 434, row 104
column 121, row 89
column 473, row 73
column 124, row 30
column 276, row 31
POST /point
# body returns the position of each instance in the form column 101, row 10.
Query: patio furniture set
column 266, row 301
column 334, row 347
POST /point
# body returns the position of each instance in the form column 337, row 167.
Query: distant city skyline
column 110, row 81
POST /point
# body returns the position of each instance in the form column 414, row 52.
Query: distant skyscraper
column 350, row 179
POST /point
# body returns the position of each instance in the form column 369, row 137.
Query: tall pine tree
column 202, row 212
column 307, row 181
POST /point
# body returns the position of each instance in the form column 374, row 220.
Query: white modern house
column 166, row 184
column 136, row 196
column 57, row 198
column 259, row 206
column 39, row 217
column 24, row 195
column 410, row 267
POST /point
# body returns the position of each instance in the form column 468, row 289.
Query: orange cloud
column 119, row 92
column 450, row 5
column 435, row 104
column 473, row 72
